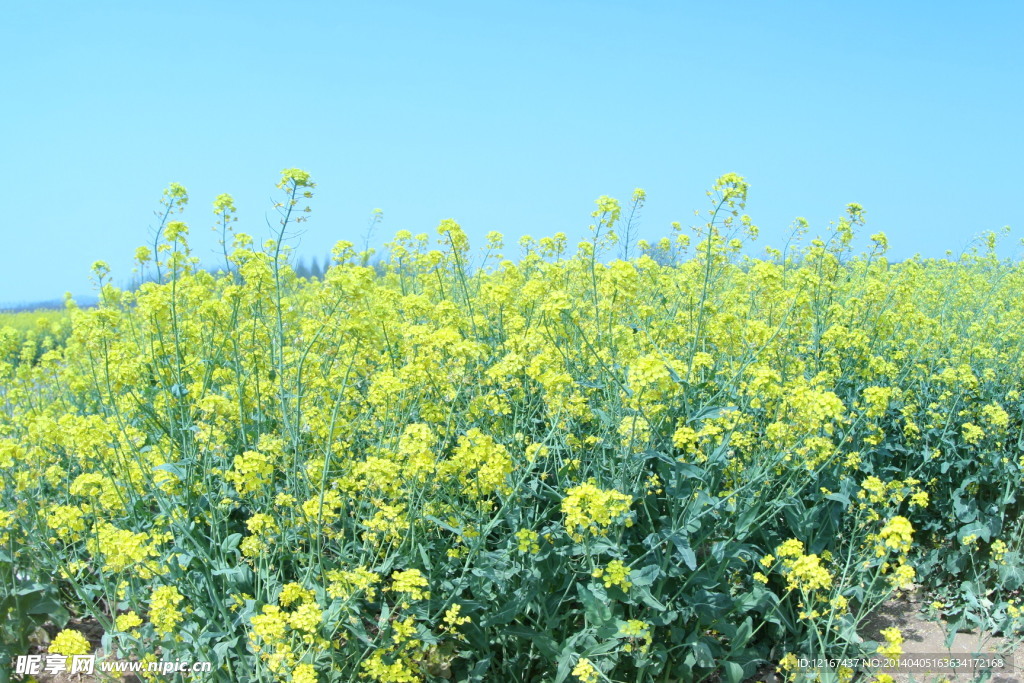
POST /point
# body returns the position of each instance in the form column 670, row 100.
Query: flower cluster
column 163, row 609
column 802, row 572
column 615, row 573
column 591, row 510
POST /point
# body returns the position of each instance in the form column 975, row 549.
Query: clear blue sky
column 508, row 116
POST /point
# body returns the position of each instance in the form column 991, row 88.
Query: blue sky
column 508, row 116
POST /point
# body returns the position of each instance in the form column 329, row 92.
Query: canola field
column 688, row 464
column 33, row 333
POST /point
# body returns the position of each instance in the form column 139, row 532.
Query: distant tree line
column 315, row 269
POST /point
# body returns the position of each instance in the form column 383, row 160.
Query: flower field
column 681, row 465
column 33, row 333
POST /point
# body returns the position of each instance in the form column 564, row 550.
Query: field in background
column 34, row 332
column 682, row 464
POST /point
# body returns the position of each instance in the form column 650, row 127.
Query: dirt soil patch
column 924, row 640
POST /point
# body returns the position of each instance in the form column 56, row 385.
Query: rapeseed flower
column 897, row 535
column 410, row 583
column 69, row 642
column 304, row 673
column 127, row 622
column 893, row 646
column 591, row 510
column 999, row 549
column 163, row 609
column 902, row 578
column 806, row 573
column 635, row 630
column 585, row 672
column 67, row 520
column 615, row 573
column 528, row 541
column 452, row 618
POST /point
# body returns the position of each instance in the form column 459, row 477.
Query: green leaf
column 645, row 597
column 542, row 641
column 1011, row 574
column 595, row 604
column 682, row 544
column 443, row 524
column 501, row 616
column 733, row 672
column 711, row 412
column 703, row 654
column 221, row 649
column 839, row 498
column 745, row 520
column 230, row 543
column 645, row 576
column 974, row 529
column 173, row 468
column 742, row 635
column 689, row 471
column 565, row 662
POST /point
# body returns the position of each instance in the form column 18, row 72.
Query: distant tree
column 316, row 269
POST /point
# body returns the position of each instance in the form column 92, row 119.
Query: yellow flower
column 346, row 583
column 999, row 549
column 294, row 592
column 589, row 509
column 411, row 583
column 972, row 433
column 902, row 577
column 163, row 609
column 585, row 672
column 806, row 573
column 251, row 472
column 995, row 416
column 876, row 400
column 270, row 625
column 69, row 642
column 790, row 548
column 306, row 618
column 685, row 439
column 66, row 520
column 635, row 629
column 404, row 630
column 788, row 663
column 452, row 618
column 127, row 621
column 480, row 464
column 528, row 541
column 897, row 534
column 304, row 673
column 893, row 643
column 873, row 489
column 614, row 574
column 381, row 666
